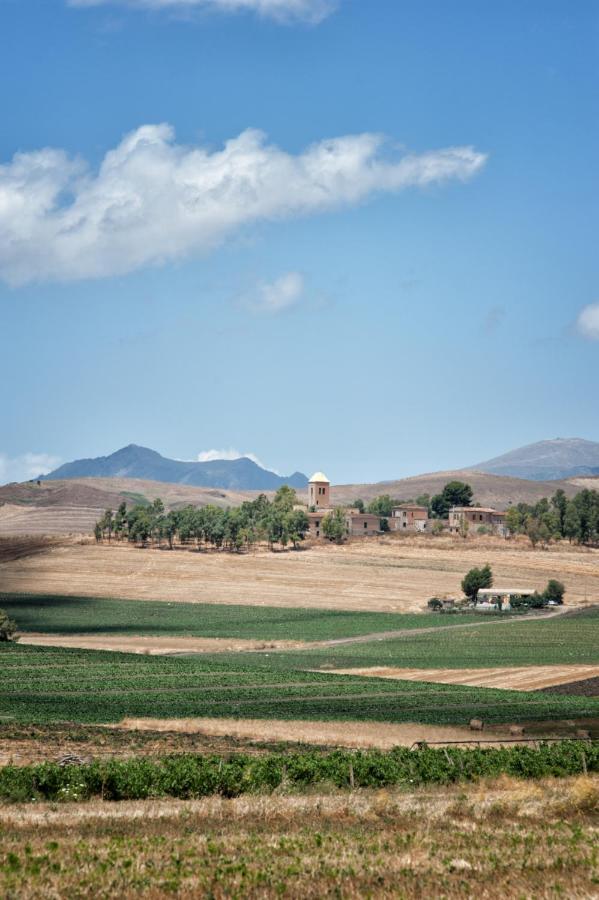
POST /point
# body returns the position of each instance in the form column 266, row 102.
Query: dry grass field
column 392, row 573
column 495, row 839
column 514, row 678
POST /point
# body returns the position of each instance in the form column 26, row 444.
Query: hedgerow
column 190, row 775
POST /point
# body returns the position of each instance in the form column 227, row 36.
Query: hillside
column 141, row 462
column 489, row 490
column 547, row 460
column 72, row 506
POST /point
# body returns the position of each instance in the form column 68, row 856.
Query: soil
column 520, row 678
column 588, row 687
column 155, row 646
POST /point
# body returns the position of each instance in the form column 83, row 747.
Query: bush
column 554, row 592
column 187, row 775
column 7, row 627
column 434, row 603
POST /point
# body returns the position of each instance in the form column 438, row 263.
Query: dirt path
column 410, row 632
column 515, row 678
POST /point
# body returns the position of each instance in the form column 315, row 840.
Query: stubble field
column 386, row 575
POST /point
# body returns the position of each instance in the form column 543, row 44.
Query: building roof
column 499, row 591
column 476, row 509
column 319, row 477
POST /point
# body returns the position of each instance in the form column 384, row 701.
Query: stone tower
column 319, row 491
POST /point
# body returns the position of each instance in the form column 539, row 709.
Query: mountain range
column 140, row 462
column 546, row 460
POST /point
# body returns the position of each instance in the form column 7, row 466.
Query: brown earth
column 155, row 646
column 394, row 573
column 515, row 678
column 382, row 735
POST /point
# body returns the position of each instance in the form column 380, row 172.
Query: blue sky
column 355, row 236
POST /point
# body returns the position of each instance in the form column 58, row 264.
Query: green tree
column 455, row 493
column 7, row 627
column 359, row 505
column 297, row 525
column 381, row 505
column 334, row 526
column 513, row 520
column 554, row 591
column 559, row 502
column 476, row 579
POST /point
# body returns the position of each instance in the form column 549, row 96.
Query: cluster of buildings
column 406, row 517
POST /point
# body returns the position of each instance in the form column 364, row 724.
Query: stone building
column 476, row 516
column 409, row 517
column 319, row 505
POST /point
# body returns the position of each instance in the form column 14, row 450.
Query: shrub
column 434, row 603
column 554, row 591
column 7, row 627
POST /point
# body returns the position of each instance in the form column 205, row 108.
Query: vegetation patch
column 187, row 776
column 56, row 685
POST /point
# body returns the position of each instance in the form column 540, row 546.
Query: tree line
column 575, row 519
column 275, row 521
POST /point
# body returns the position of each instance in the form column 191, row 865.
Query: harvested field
column 381, row 735
column 162, row 646
column 522, row 678
column 496, row 839
column 388, row 574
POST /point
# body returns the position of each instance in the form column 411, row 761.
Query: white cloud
column 210, row 455
column 311, row 11
column 27, row 466
column 587, row 322
column 153, row 200
column 271, row 297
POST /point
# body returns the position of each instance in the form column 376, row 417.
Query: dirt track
column 387, row 574
column 521, row 678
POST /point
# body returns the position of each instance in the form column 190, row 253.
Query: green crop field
column 48, row 684
column 86, row 615
column 565, row 639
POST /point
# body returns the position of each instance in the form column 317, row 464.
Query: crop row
column 196, row 776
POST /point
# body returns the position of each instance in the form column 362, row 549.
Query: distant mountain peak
column 135, row 461
column 547, row 460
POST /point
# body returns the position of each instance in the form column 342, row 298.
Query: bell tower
column 319, row 491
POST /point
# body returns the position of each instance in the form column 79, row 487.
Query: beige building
column 319, row 491
column 319, row 505
column 476, row 516
column 409, row 517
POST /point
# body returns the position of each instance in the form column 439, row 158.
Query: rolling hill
column 140, row 462
column 547, row 460
column 72, row 506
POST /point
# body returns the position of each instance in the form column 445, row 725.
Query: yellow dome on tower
column 319, row 478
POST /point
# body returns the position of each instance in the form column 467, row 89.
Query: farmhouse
column 409, row 517
column 491, row 598
column 319, row 505
column 476, row 516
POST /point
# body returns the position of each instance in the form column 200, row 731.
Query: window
column 365, row 524
column 405, row 524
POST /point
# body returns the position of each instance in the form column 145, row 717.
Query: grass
column 55, row 614
column 52, row 685
column 496, row 840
